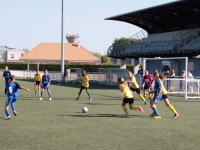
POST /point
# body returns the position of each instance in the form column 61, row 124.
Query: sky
column 26, row 23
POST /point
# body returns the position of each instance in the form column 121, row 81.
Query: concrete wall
column 13, row 55
column 117, row 61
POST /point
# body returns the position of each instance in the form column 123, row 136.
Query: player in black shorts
column 147, row 80
column 128, row 98
column 37, row 82
column 135, row 86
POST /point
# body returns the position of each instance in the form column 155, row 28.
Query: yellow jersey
column 85, row 83
column 127, row 92
column 164, row 91
column 134, row 83
column 37, row 77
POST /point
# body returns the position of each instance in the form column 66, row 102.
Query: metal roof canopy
column 120, row 73
column 78, row 71
column 174, row 16
column 111, row 75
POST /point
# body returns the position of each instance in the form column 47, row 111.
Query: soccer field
column 60, row 124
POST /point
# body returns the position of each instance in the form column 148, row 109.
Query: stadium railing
column 177, row 85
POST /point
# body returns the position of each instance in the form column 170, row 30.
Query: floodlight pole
column 62, row 44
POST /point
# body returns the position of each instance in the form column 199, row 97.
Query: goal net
column 182, row 82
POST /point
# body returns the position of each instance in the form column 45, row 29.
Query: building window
column 11, row 55
column 2, row 55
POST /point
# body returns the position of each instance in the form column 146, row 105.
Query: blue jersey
column 12, row 89
column 45, row 79
column 157, row 87
column 6, row 75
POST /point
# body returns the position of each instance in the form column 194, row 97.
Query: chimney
column 79, row 45
column 72, row 38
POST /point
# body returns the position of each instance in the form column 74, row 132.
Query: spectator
column 140, row 71
column 171, row 87
column 65, row 74
column 182, row 76
column 190, row 84
column 156, row 70
column 190, row 76
column 166, row 71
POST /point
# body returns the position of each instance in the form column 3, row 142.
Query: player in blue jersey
column 6, row 76
column 12, row 92
column 46, row 85
column 157, row 94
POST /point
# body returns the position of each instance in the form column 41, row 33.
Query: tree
column 124, row 40
column 106, row 60
column 97, row 54
column 121, row 44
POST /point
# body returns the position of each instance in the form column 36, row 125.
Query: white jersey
column 190, row 76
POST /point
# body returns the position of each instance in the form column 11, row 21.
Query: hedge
column 14, row 66
column 57, row 67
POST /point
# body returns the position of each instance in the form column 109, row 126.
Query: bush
column 129, row 67
column 14, row 66
column 57, row 67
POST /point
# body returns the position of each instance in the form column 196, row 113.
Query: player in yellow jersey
column 37, row 82
column 84, row 85
column 165, row 98
column 128, row 98
column 135, row 87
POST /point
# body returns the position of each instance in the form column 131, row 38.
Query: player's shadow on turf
column 106, row 95
column 93, row 116
column 103, row 116
column 90, row 103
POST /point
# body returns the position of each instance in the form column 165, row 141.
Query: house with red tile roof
column 51, row 53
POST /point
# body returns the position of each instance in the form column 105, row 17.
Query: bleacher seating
column 192, row 46
column 178, row 42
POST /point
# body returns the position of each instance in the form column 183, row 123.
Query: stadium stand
column 173, row 30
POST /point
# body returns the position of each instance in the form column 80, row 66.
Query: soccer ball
column 84, row 109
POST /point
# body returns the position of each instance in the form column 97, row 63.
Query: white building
column 10, row 54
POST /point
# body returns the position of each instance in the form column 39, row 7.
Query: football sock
column 151, row 95
column 125, row 109
column 142, row 98
column 88, row 93
column 7, row 112
column 79, row 93
column 155, row 111
column 13, row 106
column 35, row 91
column 49, row 94
column 172, row 109
column 38, row 91
column 135, row 108
column 42, row 94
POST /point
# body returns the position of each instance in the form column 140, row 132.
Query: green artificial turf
column 60, row 124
